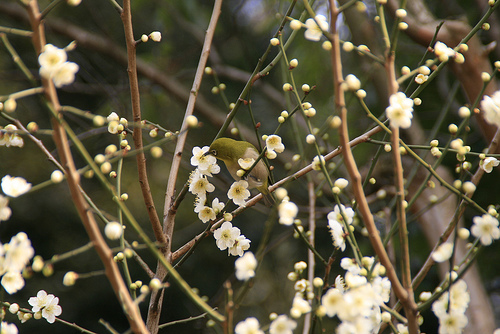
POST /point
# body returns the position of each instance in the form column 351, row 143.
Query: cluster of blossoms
column 245, row 266
column 484, row 227
column 450, row 308
column 287, row 210
column 301, row 303
column 229, row 237
column 12, row 187
column 46, row 306
column 206, row 165
column 281, row 324
column 400, row 110
column 314, row 27
column 423, row 74
column 14, row 257
column 54, row 66
column 356, row 299
column 116, row 124
column 9, row 137
column 443, row 52
column 338, row 219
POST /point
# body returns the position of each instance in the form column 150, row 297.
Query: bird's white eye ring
column 214, row 152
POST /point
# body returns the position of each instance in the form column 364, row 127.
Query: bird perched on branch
column 239, row 156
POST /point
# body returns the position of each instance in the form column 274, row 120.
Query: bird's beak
column 207, row 153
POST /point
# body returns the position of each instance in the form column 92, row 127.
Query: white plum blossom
column 5, row 211
column 443, row 252
column 341, row 183
column 443, row 52
column 246, row 163
column 300, row 306
column 354, row 280
column 339, row 283
column 155, row 36
column 240, row 246
column 491, row 108
column 337, row 232
column 70, row 278
column 113, row 117
column 53, row 66
column 226, row 235
column 488, row 164
column 400, row 110
column 211, row 170
column 420, row 78
column 8, row 137
column 317, row 162
column 239, row 192
column 357, row 301
column 65, row 74
column 273, row 143
column 47, row 304
column 301, row 285
column 17, row 253
column 402, row 329
column 206, row 214
column 450, row 308
column 199, row 185
column 113, row 123
column 14, row 257
column 51, row 59
column 201, row 159
column 217, row 206
column 282, row 325
column 9, row 328
column 485, row 228
column 113, row 230
column 287, row 212
column 314, row 32
column 248, row 326
column 12, row 281
column 352, row 82
column 341, row 212
column 14, row 186
column 333, row 301
column 245, row 266
column 350, row 265
column 453, row 322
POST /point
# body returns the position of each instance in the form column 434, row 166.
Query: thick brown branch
column 73, row 177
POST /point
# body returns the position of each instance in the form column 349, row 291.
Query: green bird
column 230, row 151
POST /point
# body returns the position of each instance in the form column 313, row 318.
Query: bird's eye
column 214, row 152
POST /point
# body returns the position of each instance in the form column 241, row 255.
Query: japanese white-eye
column 231, row 151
